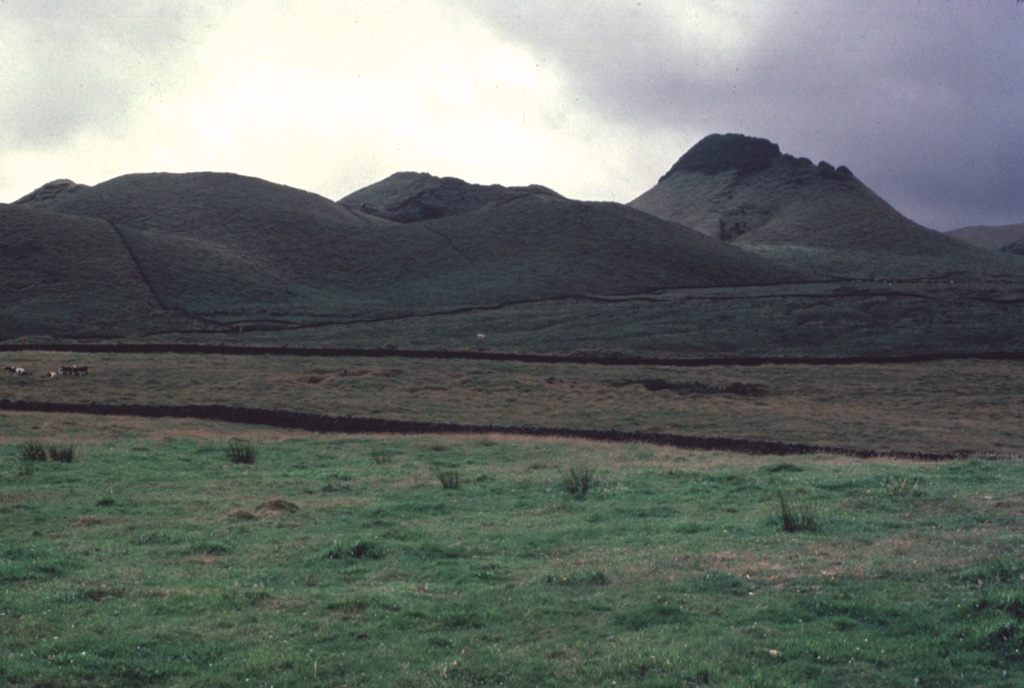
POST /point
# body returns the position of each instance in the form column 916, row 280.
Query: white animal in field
column 480, row 338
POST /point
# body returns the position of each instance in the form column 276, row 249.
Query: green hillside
column 72, row 276
column 242, row 249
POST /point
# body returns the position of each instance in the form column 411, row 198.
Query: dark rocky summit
column 417, row 196
column 49, row 193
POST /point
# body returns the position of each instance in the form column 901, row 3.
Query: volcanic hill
column 815, row 217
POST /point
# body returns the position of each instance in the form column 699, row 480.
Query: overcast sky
column 922, row 99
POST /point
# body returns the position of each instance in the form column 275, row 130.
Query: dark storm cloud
column 82, row 65
column 923, row 101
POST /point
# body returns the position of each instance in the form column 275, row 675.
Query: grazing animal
column 21, row 371
column 9, row 370
column 73, row 370
column 52, row 374
column 481, row 337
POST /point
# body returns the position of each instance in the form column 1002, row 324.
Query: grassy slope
column 243, row 248
column 834, row 320
column 71, row 276
column 219, row 243
column 343, row 562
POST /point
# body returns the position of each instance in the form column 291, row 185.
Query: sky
column 922, row 99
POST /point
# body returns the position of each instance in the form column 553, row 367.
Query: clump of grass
column 32, row 452
column 64, row 453
column 579, row 480
column 362, row 549
column 381, row 457
column 900, row 488
column 450, row 478
column 578, row 579
column 796, row 520
column 240, row 451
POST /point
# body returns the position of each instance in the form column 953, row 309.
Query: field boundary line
column 315, row 422
column 451, row 354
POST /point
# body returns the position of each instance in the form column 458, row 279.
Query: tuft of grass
column 579, row 480
column 63, row 453
column 902, row 488
column 32, row 452
column 450, row 478
column 381, row 457
column 577, row 579
column 240, row 451
column 795, row 520
column 361, row 549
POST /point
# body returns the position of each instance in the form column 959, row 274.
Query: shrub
column 450, row 478
column 240, row 451
column 64, row 453
column 795, row 520
column 578, row 480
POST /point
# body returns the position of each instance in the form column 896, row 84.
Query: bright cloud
column 595, row 98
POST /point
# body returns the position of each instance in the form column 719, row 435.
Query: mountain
column 814, row 217
column 73, row 276
column 996, row 238
column 243, row 251
column 416, row 196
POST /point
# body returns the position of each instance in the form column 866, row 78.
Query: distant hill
column 73, row 276
column 416, row 196
column 994, row 238
column 815, row 217
column 243, row 251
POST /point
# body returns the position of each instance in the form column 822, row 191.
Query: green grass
column 156, row 562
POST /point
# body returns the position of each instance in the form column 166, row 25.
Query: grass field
column 151, row 559
column 944, row 406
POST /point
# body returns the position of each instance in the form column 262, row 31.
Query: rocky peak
column 745, row 155
column 724, row 152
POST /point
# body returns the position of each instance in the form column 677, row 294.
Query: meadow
column 976, row 406
column 153, row 559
